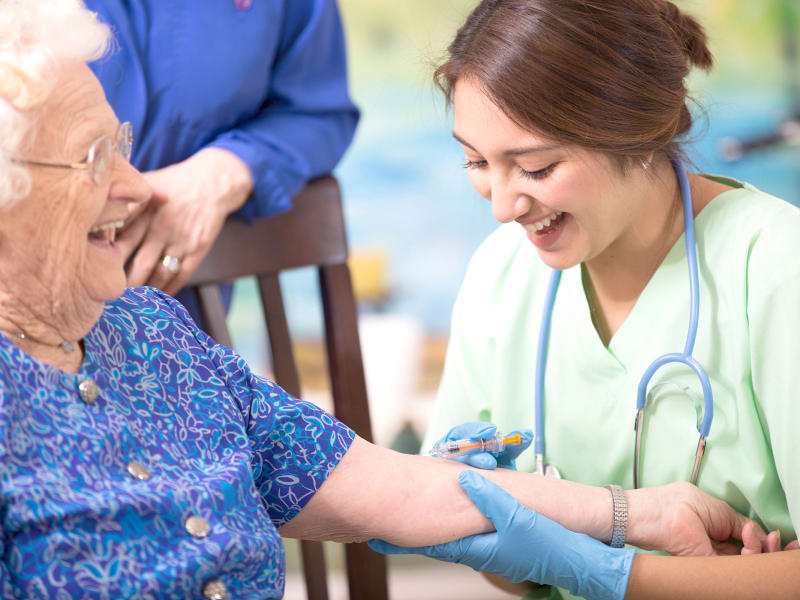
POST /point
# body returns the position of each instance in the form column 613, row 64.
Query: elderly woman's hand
column 681, row 519
column 192, row 199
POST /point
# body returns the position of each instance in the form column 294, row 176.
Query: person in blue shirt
column 235, row 105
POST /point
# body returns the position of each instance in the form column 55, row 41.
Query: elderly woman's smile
column 59, row 238
column 103, row 235
column 98, row 193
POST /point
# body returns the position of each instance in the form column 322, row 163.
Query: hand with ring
column 166, row 241
column 171, row 264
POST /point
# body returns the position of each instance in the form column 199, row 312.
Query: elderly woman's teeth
column 106, row 231
column 114, row 225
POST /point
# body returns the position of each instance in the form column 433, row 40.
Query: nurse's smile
column 545, row 232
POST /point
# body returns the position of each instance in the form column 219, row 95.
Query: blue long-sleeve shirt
column 265, row 80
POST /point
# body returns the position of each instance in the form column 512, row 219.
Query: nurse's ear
column 641, row 162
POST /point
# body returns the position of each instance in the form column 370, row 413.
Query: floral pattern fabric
column 217, row 441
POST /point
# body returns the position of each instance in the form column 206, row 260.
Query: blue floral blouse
column 160, row 470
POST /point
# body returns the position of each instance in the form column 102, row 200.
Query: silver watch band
column 620, row 516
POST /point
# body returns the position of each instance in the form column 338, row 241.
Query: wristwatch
column 620, row 516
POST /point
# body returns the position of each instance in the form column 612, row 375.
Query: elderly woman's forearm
column 413, row 500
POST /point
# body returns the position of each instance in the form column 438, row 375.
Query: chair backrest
column 312, row 233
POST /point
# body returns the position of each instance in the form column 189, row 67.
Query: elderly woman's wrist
column 591, row 512
column 643, row 529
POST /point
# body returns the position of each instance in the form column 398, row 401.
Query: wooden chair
column 311, row 233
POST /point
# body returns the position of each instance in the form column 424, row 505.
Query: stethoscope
column 685, row 357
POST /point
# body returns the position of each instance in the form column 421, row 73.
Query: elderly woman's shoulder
column 146, row 321
column 148, row 302
column 146, row 296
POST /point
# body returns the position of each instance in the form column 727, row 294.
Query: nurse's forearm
column 775, row 576
column 516, row 589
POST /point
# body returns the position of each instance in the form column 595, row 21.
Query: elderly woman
column 138, row 457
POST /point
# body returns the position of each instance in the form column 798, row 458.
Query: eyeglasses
column 101, row 153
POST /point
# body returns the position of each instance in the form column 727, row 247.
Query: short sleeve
column 295, row 445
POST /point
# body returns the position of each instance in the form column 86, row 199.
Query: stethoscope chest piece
column 546, row 469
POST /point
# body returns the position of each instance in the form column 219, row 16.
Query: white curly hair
column 36, row 36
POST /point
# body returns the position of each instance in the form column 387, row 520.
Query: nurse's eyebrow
column 463, row 142
column 530, row 149
column 514, row 151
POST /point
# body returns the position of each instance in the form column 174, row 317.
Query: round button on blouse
column 88, row 391
column 214, row 589
column 138, row 471
column 197, row 527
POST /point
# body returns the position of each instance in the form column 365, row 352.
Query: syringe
column 494, row 444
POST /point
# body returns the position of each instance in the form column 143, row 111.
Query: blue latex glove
column 476, row 430
column 529, row 547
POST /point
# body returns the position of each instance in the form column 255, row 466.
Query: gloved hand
column 476, row 430
column 529, row 547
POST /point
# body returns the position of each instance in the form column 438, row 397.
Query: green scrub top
column 748, row 340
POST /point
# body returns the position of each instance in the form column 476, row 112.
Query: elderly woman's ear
column 19, row 90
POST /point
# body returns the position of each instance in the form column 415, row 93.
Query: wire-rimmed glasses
column 101, row 153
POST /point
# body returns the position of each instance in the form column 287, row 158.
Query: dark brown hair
column 603, row 74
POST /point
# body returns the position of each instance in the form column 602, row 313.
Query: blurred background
column 414, row 220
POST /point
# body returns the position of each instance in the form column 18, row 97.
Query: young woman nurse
column 571, row 114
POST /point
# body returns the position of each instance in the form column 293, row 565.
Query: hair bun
column 689, row 33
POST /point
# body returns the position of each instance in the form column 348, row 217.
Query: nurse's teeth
column 544, row 223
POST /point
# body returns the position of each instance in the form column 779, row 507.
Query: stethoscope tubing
column 541, row 360
column 685, row 357
column 691, row 362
